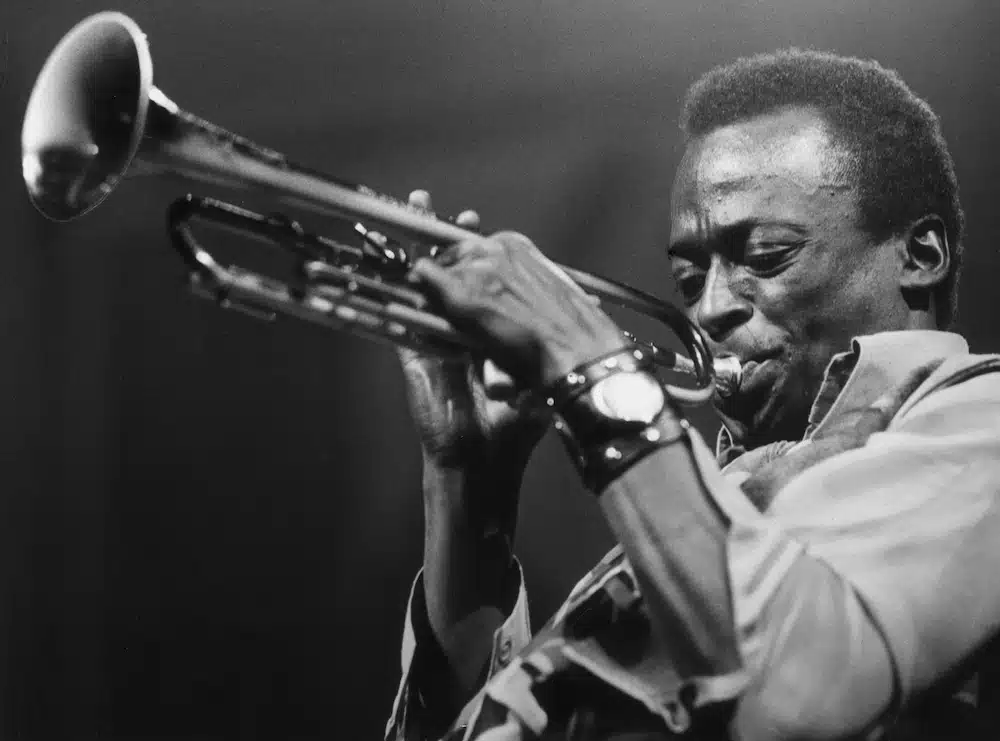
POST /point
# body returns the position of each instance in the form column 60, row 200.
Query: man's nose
column 721, row 309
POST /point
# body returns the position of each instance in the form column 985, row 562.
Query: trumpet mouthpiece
column 728, row 374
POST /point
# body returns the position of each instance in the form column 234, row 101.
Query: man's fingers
column 442, row 283
column 468, row 220
column 517, row 241
column 455, row 253
column 420, row 199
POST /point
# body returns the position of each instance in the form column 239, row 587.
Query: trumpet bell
column 86, row 115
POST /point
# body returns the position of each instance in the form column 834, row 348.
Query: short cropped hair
column 890, row 137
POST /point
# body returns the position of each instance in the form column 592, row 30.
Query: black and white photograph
column 500, row 370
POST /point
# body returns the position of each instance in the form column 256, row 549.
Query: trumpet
column 94, row 116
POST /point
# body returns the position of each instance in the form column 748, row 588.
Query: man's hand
column 476, row 445
column 534, row 321
column 464, row 412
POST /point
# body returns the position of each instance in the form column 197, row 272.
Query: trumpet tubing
column 95, row 116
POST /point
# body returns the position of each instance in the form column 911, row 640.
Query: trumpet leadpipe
column 727, row 371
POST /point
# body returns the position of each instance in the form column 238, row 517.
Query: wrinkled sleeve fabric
column 417, row 712
column 912, row 522
column 887, row 551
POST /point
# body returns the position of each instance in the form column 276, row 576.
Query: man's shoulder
column 963, row 377
column 959, row 369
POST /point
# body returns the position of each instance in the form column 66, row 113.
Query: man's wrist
column 614, row 414
column 560, row 358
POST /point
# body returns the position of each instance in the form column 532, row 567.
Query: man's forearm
column 820, row 661
column 675, row 539
column 468, row 559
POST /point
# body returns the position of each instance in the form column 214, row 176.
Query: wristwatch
column 620, row 404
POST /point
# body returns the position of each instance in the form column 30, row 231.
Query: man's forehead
column 793, row 147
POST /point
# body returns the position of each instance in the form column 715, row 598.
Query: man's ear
column 927, row 257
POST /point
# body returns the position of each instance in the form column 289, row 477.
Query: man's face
column 768, row 253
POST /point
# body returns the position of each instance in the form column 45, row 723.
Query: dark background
column 208, row 524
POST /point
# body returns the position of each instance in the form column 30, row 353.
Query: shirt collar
column 857, row 377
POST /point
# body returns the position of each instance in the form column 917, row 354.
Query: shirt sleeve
column 912, row 522
column 417, row 714
column 869, row 579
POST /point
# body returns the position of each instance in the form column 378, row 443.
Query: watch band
column 603, row 448
column 588, row 422
column 600, row 463
column 564, row 390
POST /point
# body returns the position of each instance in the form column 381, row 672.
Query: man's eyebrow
column 684, row 249
column 689, row 248
column 732, row 185
column 710, row 240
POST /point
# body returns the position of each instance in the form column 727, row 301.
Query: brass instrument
column 94, row 114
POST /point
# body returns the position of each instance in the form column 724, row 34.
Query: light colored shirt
column 867, row 579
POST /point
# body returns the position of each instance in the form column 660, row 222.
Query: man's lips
column 750, row 371
column 755, row 367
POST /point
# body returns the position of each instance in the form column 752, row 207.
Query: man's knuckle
column 512, row 239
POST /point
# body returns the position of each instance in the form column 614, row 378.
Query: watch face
column 631, row 397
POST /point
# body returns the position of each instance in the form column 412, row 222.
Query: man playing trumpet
column 828, row 572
